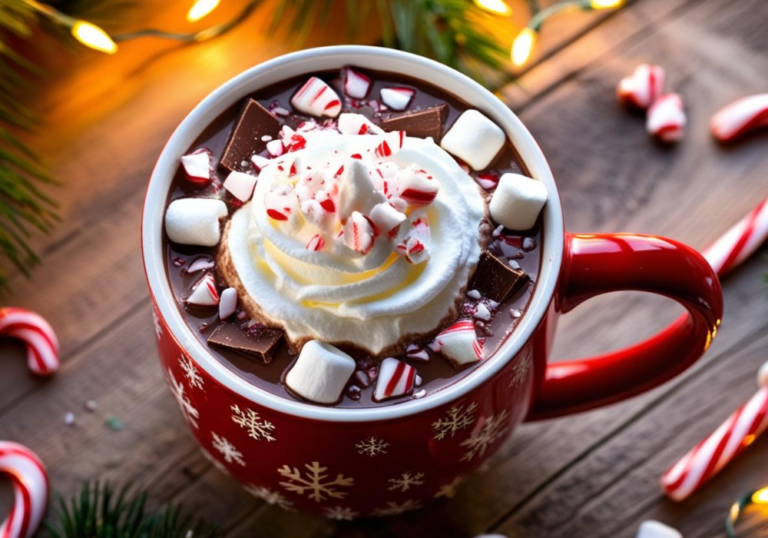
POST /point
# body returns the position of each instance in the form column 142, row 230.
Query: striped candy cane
column 712, row 454
column 30, row 488
column 32, row 329
column 740, row 241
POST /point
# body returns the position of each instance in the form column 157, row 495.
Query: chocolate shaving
column 258, row 345
column 420, row 124
column 495, row 279
column 245, row 140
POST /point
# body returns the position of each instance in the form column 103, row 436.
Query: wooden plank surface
column 591, row 475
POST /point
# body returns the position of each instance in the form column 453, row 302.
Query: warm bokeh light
column 495, row 6
column 760, row 496
column 92, row 36
column 523, row 46
column 201, row 8
column 605, row 4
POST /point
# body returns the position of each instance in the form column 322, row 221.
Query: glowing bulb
column 494, row 6
column 605, row 4
column 92, row 36
column 760, row 496
column 200, row 9
column 523, row 46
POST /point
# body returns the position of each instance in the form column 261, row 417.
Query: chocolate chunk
column 245, row 140
column 258, row 344
column 495, row 279
column 420, row 124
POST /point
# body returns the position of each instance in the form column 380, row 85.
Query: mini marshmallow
column 320, row 373
column 459, row 343
column 386, row 218
column 654, row 529
column 395, row 379
column 666, row 118
column 357, row 192
column 397, row 98
column 517, row 201
column 240, row 185
column 356, row 124
column 195, row 221
column 316, row 98
column 227, row 303
column 204, row 293
column 197, row 166
column 474, row 139
column 356, row 85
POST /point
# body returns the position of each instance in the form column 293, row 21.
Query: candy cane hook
column 30, row 490
column 32, row 329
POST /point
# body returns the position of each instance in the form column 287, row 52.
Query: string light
column 523, row 45
column 500, row 7
column 760, row 496
column 605, row 4
column 202, row 8
column 94, row 37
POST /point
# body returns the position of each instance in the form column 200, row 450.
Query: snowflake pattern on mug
column 250, row 420
column 275, row 498
column 372, row 446
column 227, row 450
column 520, row 370
column 193, row 376
column 491, row 429
column 457, row 418
column 340, row 513
column 158, row 324
column 315, row 482
column 406, row 481
column 394, row 508
column 188, row 410
column 449, row 490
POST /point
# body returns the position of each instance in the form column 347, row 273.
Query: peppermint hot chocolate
column 353, row 238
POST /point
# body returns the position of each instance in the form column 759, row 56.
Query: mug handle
column 601, row 263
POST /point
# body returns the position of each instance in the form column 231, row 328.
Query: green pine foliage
column 100, row 512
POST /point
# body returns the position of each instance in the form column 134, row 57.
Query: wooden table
column 593, row 475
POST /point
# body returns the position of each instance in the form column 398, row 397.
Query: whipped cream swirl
column 359, row 239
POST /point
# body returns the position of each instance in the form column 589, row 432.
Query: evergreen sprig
column 99, row 512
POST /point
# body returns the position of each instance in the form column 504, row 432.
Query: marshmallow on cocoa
column 517, row 201
column 240, row 185
column 474, row 139
column 195, row 221
column 320, row 373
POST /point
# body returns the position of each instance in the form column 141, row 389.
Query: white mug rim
column 229, row 93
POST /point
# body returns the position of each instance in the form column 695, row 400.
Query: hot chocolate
column 340, row 238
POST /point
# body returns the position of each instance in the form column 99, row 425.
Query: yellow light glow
column 523, row 46
column 760, row 496
column 92, row 36
column 605, row 4
column 201, row 8
column 499, row 7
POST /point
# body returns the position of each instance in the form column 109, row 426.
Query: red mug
column 348, row 463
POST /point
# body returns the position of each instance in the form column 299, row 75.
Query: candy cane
column 32, row 329
column 30, row 488
column 713, row 453
column 740, row 241
column 740, row 117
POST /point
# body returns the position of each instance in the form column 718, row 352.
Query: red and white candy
column 391, row 144
column 642, row 87
column 396, row 378
column 416, row 187
column 240, row 185
column 386, row 218
column 30, row 488
column 459, row 343
column 281, row 204
column 198, row 166
column 356, row 124
column 316, row 98
column 320, row 372
column 204, row 293
column 356, row 84
column 316, row 243
column 740, row 241
column 740, row 117
column 666, row 118
column 397, row 98
column 359, row 233
column 36, row 333
column 707, row 458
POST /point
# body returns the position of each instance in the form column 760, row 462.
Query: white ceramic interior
column 307, row 62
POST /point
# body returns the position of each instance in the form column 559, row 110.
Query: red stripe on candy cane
column 30, row 484
column 36, row 333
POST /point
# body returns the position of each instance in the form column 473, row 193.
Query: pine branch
column 97, row 512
